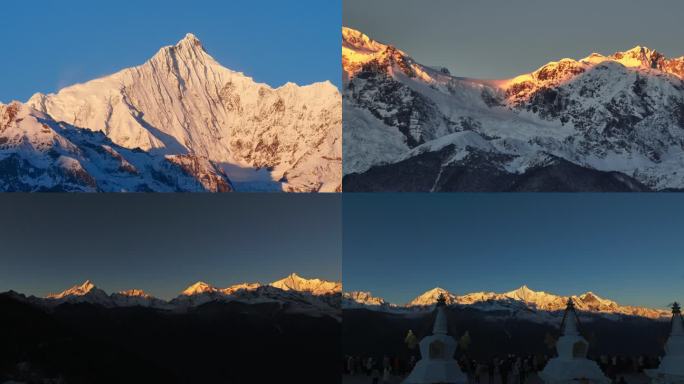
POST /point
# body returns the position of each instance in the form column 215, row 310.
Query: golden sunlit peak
column 351, row 38
column 640, row 49
column 77, row 290
column 316, row 286
column 353, row 33
column 191, row 39
column 198, row 287
column 190, row 36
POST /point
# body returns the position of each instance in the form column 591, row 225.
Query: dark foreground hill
column 375, row 333
column 213, row 343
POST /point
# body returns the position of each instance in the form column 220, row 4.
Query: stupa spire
column 440, row 326
column 437, row 363
column 677, row 325
column 671, row 368
column 571, row 364
column 570, row 323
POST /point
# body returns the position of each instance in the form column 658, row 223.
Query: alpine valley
column 601, row 123
column 205, row 334
column 179, row 122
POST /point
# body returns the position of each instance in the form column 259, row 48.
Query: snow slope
column 39, row 154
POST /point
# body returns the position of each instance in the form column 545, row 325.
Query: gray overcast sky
column 164, row 242
column 504, row 38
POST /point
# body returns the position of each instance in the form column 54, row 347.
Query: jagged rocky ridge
column 521, row 303
column 602, row 123
column 296, row 294
column 211, row 125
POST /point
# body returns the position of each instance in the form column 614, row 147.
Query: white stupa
column 572, row 365
column 437, row 363
column 671, row 369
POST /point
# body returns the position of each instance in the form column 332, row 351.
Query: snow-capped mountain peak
column 187, row 54
column 191, row 38
column 190, row 41
column 183, row 104
column 360, row 51
column 524, row 293
column 430, row 297
column 295, row 282
column 198, row 288
column 364, row 298
column 76, row 290
column 640, row 56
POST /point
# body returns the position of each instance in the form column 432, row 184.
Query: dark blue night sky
column 626, row 247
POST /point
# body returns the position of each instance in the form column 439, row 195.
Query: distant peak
column 640, row 56
column 190, row 36
column 434, row 293
column 190, row 41
column 198, row 288
column 76, row 290
column 295, row 282
column 430, row 297
column 352, row 38
column 134, row 293
column 351, row 32
column 88, row 285
column 188, row 46
column 290, row 281
column 640, row 49
column 523, row 288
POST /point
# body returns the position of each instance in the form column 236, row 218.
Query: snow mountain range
column 296, row 294
column 520, row 303
column 601, row 123
column 179, row 122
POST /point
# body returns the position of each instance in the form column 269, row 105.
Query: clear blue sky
column 162, row 243
column 49, row 44
column 626, row 247
column 504, row 38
